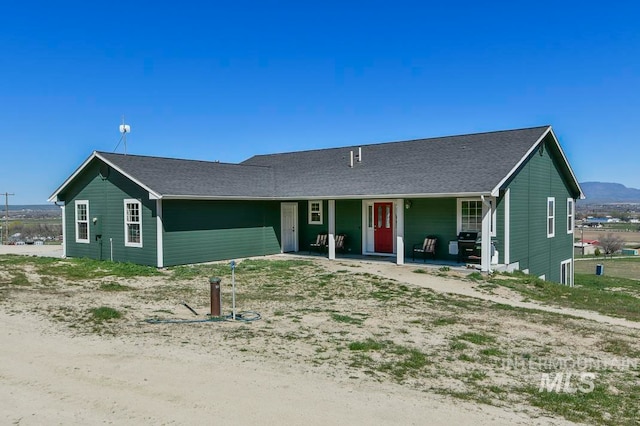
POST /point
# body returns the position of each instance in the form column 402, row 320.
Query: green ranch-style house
column 514, row 190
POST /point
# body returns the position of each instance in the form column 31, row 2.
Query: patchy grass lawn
column 360, row 327
column 626, row 267
column 618, row 297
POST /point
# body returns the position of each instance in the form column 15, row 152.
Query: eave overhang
column 54, row 197
column 496, row 190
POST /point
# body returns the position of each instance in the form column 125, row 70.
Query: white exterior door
column 289, row 226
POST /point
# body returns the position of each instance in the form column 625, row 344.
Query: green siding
column 431, row 216
column 106, row 203
column 202, row 231
column 308, row 233
column 538, row 179
column 349, row 222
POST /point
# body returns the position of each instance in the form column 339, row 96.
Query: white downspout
column 485, row 264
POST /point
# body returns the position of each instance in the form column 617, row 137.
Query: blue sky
column 227, row 80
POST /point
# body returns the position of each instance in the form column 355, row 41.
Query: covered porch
column 389, row 228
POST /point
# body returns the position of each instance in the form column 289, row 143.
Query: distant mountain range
column 604, row 193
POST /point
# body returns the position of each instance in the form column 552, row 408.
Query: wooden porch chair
column 320, row 243
column 340, row 242
column 428, row 246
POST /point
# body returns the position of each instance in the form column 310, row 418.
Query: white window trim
column 571, row 215
column 492, row 201
column 568, row 272
column 127, row 243
column 315, row 222
column 551, row 230
column 77, row 222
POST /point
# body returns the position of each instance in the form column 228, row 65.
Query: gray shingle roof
column 170, row 176
column 447, row 165
column 452, row 165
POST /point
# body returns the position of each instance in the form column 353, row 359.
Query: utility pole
column 6, row 216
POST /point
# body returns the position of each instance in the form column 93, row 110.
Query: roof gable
column 178, row 178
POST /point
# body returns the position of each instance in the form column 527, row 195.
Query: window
column 470, row 215
column 315, row 212
column 551, row 217
column 571, row 213
column 82, row 221
column 132, row 223
column 566, row 274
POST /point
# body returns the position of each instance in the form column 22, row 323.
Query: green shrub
column 104, row 313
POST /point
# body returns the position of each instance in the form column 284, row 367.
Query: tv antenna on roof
column 124, row 129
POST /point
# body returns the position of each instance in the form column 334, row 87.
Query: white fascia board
column 566, row 162
column 54, row 196
column 325, row 197
column 495, row 192
column 218, row 197
column 395, row 196
column 152, row 193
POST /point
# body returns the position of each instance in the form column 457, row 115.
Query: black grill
column 468, row 247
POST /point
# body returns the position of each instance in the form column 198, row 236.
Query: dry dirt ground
column 345, row 342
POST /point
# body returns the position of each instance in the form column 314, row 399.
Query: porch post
column 485, row 264
column 159, row 235
column 507, row 227
column 64, row 231
column 400, row 231
column 332, row 229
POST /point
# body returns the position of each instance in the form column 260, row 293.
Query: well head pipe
column 216, row 302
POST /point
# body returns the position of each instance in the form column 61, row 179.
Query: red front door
column 383, row 227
